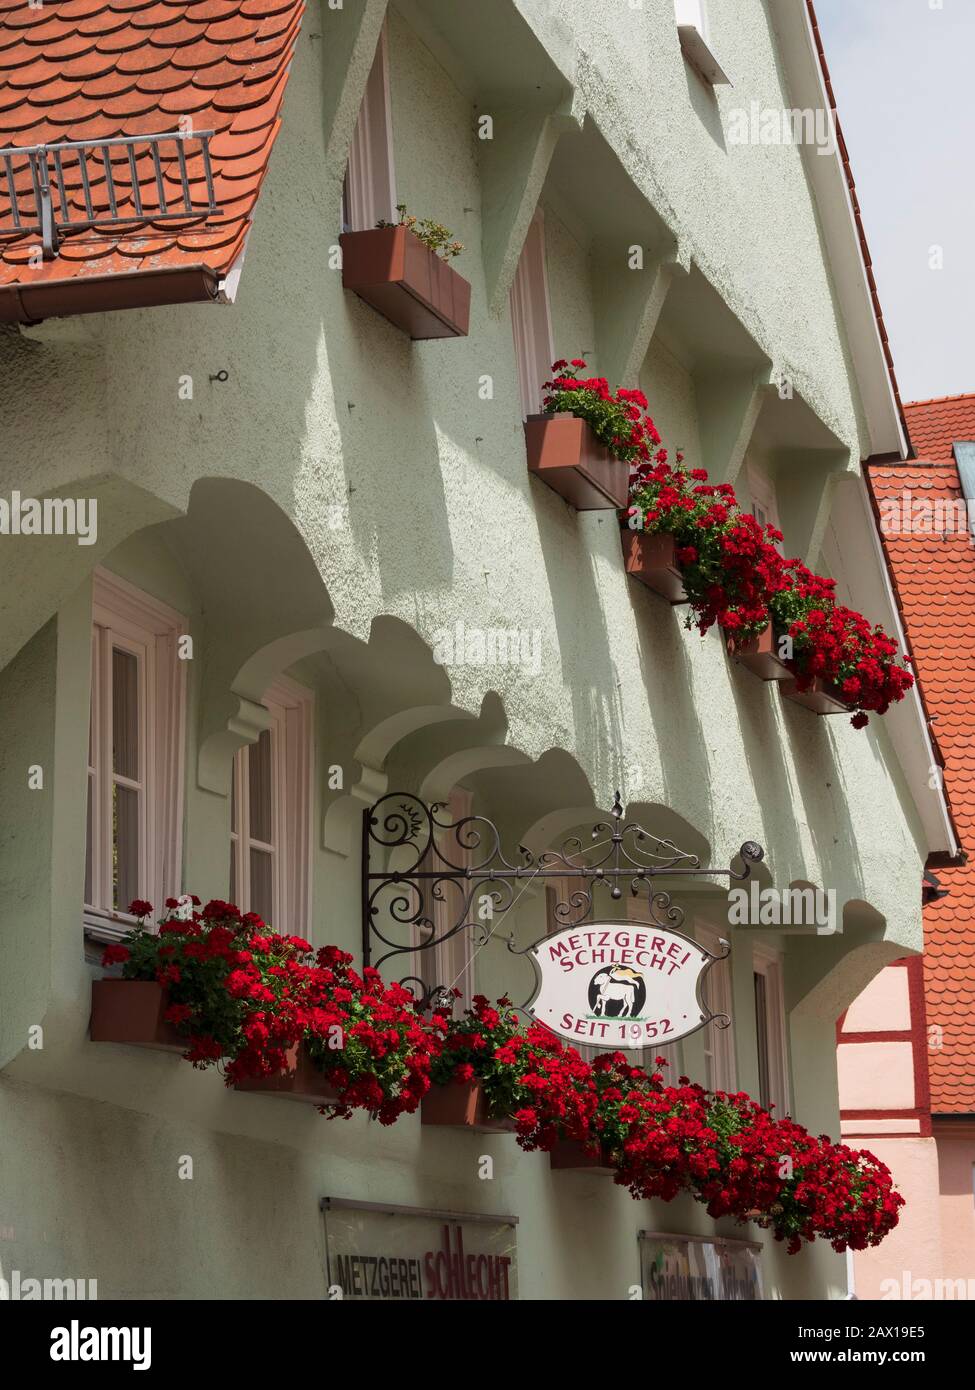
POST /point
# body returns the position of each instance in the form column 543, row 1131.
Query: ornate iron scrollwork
column 432, row 868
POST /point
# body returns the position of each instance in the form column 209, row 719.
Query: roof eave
column 831, row 184
column 30, row 303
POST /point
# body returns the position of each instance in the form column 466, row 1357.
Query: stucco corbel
column 629, row 302
column 514, row 163
column 806, row 483
column 217, row 751
column 349, row 37
column 729, row 402
column 342, row 819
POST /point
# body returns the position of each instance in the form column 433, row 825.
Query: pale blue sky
column 904, row 83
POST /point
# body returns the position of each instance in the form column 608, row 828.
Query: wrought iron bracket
column 421, row 872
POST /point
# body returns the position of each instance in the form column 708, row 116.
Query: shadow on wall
column 571, row 545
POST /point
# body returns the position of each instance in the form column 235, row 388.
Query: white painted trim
column 827, row 181
column 853, row 553
column 921, row 788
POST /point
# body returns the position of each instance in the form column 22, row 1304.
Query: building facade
column 906, row 1046
column 321, row 573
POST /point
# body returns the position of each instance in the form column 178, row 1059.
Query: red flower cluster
column 619, row 421
column 726, row 1151
column 735, row 576
column 248, row 997
column 838, row 644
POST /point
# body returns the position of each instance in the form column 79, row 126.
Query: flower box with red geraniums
column 822, row 697
column 474, row 1081
column 726, row 566
column 401, row 271
column 588, row 438
column 651, row 560
column 300, row 1080
column 734, row 576
column 133, row 1012
column 564, row 454
column 257, row 1001
column 759, row 655
column 267, row 1009
column 570, row 1155
column 462, row 1105
column 839, row 660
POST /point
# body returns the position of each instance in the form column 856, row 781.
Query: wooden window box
column 302, row 1081
column 461, row 1105
column 650, row 559
column 131, row 1011
column 821, row 697
column 406, row 282
column 570, row 1153
column 759, row 655
column 565, row 454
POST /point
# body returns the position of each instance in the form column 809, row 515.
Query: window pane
column 125, row 714
column 761, row 1029
column 233, row 791
column 259, row 785
column 88, row 888
column 125, row 846
column 261, row 877
column 232, row 895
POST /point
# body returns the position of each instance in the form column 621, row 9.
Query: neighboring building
column 318, row 502
column 907, row 1044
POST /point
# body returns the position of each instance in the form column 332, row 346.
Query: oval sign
column 620, row 984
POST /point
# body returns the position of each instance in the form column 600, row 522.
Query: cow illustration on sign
column 617, row 985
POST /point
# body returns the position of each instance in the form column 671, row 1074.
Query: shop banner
column 404, row 1253
column 676, row 1268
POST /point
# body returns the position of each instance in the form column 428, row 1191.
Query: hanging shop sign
column 621, row 985
column 675, row 1268
column 390, row 1253
column 428, row 879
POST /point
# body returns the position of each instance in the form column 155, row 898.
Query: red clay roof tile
column 98, row 69
column 935, row 576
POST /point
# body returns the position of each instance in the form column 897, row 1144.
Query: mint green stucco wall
column 327, row 407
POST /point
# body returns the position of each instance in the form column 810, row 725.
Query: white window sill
column 700, row 57
column 108, row 927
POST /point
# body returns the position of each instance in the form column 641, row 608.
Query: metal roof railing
column 60, row 172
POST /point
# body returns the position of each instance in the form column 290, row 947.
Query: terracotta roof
column 937, row 424
column 854, row 200
column 935, row 577
column 106, row 69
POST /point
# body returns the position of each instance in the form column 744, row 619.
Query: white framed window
column 135, row 755
column 764, row 507
column 695, row 41
column 369, row 194
column 770, row 1029
column 531, row 318
column 719, row 1043
column 270, row 813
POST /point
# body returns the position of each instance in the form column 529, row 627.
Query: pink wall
column 913, row 1248
column 957, row 1155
